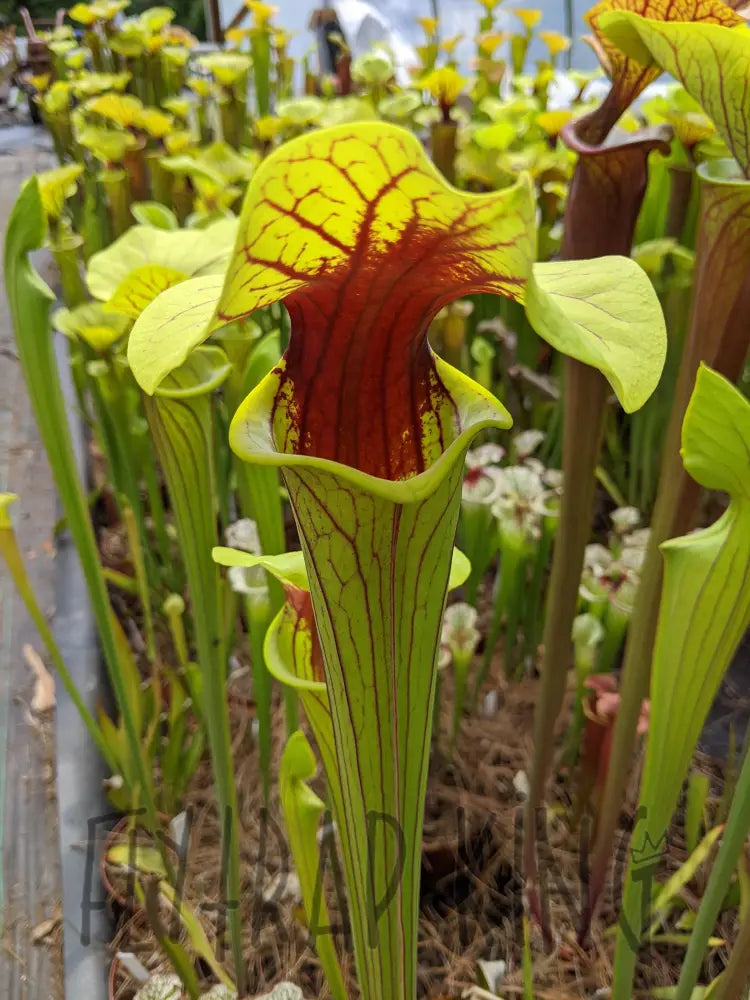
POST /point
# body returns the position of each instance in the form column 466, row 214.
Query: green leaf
column 605, row 313
column 171, row 327
column 191, row 252
column 302, row 813
column 712, row 63
column 180, row 418
column 153, row 213
column 92, row 323
column 705, row 611
column 56, row 185
column 196, row 934
column 29, row 300
column 289, row 567
column 698, row 789
column 141, row 287
column 670, row 891
column 731, row 855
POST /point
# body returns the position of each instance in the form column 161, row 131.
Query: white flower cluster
column 521, row 495
column 612, row 573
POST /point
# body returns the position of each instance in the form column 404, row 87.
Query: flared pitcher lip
column 722, row 171
column 256, row 409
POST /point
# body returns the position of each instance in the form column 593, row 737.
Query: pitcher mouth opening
column 254, row 438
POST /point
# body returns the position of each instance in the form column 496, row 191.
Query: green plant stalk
column 112, row 409
column 160, row 179
column 436, row 708
column 730, row 850
column 259, row 614
column 533, row 602
column 144, row 594
column 223, row 466
column 302, row 814
column 66, row 257
column 92, row 42
column 181, row 423
column 477, row 527
column 182, row 198
column 586, row 652
column 136, row 170
column 698, row 789
column 30, row 300
column 95, row 220
column 506, row 605
column 461, row 663
column 260, row 48
column 11, row 553
column 232, row 119
column 733, row 981
column 116, row 184
column 722, row 260
column 705, row 611
column 584, row 400
column 174, row 609
column 156, row 508
column 615, row 627
column 121, row 580
column 104, row 429
column 443, row 148
column 605, row 175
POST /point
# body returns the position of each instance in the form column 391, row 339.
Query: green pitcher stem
column 161, row 179
column 718, row 324
column 380, row 742
column 259, row 614
column 443, row 148
column 66, row 255
column 183, row 437
column 585, row 398
column 117, row 193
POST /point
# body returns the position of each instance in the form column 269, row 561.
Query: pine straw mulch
column 471, row 898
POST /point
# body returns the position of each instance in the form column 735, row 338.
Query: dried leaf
column 44, row 689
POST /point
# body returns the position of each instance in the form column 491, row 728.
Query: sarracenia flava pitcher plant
column 356, row 231
column 710, row 60
column 604, row 202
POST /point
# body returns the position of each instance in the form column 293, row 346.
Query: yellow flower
column 155, row 122
column 156, row 42
column 122, row 109
column 178, row 141
column 429, row 25
column 528, row 18
column 450, row 44
column 262, row 12
column 445, row 85
column 555, row 42
column 199, row 85
column 552, row 122
column 267, row 127
column 39, row 83
column 82, row 13
column 236, row 36
column 490, row 40
column 489, row 5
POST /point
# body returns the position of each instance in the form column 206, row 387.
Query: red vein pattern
column 365, row 242
column 630, row 78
